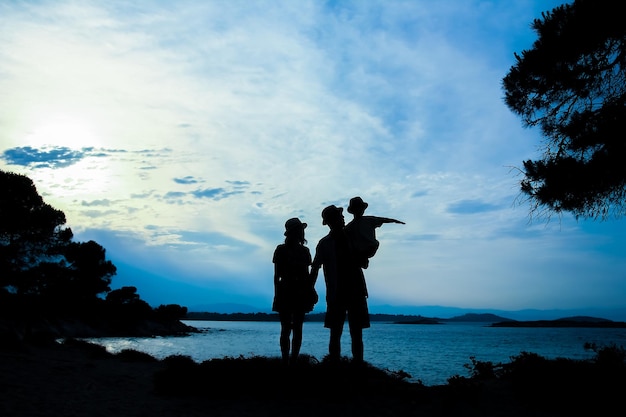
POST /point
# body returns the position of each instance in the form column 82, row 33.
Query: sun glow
column 73, row 173
column 71, row 132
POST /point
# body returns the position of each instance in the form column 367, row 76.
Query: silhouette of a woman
column 292, row 287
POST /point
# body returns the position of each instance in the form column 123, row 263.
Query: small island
column 576, row 321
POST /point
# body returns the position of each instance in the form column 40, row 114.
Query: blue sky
column 181, row 136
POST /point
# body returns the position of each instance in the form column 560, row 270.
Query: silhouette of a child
column 362, row 230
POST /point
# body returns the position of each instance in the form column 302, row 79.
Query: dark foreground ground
column 78, row 379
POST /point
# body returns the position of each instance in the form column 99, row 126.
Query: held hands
column 313, row 274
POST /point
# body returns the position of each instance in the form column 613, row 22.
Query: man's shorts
column 356, row 310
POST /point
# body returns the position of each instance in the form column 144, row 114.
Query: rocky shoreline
column 42, row 330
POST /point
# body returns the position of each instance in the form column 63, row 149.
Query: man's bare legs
column 334, row 346
column 356, row 334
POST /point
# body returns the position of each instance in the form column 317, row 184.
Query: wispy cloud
column 186, row 180
column 195, row 129
column 472, row 207
column 102, row 203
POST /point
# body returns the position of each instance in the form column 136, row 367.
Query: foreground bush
column 264, row 377
column 568, row 386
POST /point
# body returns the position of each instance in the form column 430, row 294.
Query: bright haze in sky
column 182, row 135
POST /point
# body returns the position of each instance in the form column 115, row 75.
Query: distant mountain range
column 477, row 318
column 441, row 312
column 486, row 319
column 497, row 321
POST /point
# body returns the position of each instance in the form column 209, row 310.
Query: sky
column 182, row 135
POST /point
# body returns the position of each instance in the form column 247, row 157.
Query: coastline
column 81, row 379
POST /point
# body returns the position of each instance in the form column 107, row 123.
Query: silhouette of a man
column 346, row 291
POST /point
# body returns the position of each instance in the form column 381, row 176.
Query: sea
column 429, row 353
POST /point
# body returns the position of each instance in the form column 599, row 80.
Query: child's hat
column 356, row 203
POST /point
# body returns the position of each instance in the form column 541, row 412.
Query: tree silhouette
column 38, row 258
column 48, row 281
column 170, row 311
column 125, row 305
column 123, row 296
column 31, row 233
column 572, row 84
column 89, row 270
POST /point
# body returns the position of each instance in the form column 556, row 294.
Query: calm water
column 430, row 353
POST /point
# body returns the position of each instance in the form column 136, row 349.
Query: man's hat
column 330, row 212
column 356, row 203
column 294, row 223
